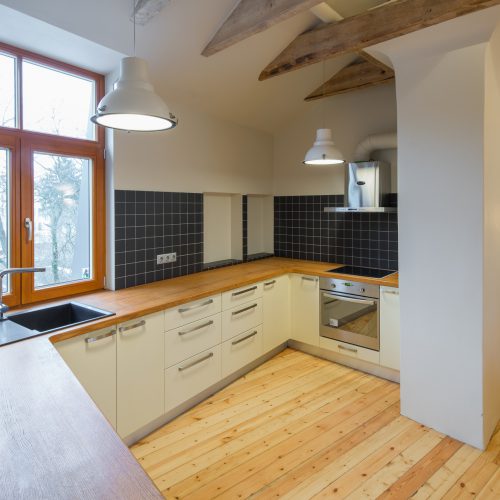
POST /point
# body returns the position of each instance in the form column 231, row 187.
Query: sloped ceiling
column 225, row 84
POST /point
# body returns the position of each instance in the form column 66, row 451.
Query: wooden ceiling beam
column 250, row 17
column 360, row 74
column 355, row 33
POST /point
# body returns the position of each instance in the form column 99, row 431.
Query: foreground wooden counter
column 55, row 443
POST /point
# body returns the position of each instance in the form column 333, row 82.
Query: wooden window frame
column 22, row 144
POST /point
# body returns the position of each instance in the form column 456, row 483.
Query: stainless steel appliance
column 350, row 312
column 367, row 185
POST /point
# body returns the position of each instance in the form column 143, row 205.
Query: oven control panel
column 349, row 287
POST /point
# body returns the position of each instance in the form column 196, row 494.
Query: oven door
column 350, row 319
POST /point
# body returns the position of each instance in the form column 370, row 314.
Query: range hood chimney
column 368, row 182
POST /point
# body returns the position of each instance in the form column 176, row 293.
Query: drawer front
column 241, row 295
column 191, row 311
column 188, row 340
column 241, row 318
column 353, row 351
column 241, row 350
column 192, row 376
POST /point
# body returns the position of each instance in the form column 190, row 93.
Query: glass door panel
column 5, row 250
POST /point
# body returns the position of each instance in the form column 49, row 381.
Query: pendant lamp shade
column 323, row 151
column 133, row 104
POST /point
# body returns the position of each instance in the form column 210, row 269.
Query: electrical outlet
column 166, row 258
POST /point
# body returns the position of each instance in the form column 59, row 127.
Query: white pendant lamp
column 324, row 151
column 133, row 104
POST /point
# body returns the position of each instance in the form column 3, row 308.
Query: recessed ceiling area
column 224, row 85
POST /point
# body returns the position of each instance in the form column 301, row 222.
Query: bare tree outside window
column 4, row 212
column 61, row 218
column 7, row 91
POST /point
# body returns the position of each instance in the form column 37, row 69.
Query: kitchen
column 243, row 191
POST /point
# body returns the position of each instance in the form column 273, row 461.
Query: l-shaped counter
column 55, row 441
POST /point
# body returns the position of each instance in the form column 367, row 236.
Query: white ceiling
column 225, row 85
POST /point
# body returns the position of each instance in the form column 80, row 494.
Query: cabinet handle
column 194, row 363
column 269, row 283
column 132, row 327
column 199, row 327
column 390, row 292
column 196, row 306
column 351, row 349
column 246, row 337
column 234, row 313
column 308, row 278
column 241, row 292
column 90, row 340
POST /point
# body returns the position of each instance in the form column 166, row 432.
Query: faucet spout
column 14, row 270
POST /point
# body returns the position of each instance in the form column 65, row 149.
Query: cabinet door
column 241, row 318
column 276, row 312
column 241, row 350
column 92, row 358
column 140, row 367
column 389, row 327
column 305, row 308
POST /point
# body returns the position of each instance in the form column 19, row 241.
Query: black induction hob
column 362, row 271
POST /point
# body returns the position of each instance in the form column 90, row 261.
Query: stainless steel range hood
column 367, row 186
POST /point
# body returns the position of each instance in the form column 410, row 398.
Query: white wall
column 352, row 117
column 491, row 266
column 202, row 154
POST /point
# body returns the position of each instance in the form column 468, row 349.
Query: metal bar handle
column 196, row 306
column 241, row 292
column 234, row 313
column 28, row 225
column 132, row 327
column 246, row 337
column 269, row 283
column 199, row 327
column 390, row 292
column 90, row 340
column 198, row 361
column 351, row 349
column 348, row 299
column 308, row 278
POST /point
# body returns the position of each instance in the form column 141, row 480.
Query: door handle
column 28, row 225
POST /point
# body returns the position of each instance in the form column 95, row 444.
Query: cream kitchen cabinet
column 140, row 372
column 92, row 358
column 275, row 312
column 389, row 327
column 305, row 308
column 241, row 350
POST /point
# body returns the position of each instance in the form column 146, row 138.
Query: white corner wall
column 440, row 134
column 491, row 266
column 352, row 117
column 202, row 154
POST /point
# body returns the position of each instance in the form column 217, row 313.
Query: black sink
column 48, row 319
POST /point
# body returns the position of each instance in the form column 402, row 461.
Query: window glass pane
column 4, row 214
column 7, row 91
column 57, row 103
column 62, row 218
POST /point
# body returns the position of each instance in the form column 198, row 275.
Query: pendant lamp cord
column 323, row 107
column 135, row 10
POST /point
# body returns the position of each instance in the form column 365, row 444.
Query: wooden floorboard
column 299, row 427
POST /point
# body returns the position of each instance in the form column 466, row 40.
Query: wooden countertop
column 54, row 440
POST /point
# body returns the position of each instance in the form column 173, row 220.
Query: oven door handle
column 348, row 299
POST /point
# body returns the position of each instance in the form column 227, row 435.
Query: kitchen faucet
column 14, row 270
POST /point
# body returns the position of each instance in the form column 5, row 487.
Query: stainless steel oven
column 350, row 312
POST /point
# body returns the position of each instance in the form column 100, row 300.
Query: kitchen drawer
column 240, row 295
column 191, row 311
column 192, row 376
column 241, row 318
column 353, row 351
column 241, row 350
column 186, row 341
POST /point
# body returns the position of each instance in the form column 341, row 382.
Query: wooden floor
column 301, row 427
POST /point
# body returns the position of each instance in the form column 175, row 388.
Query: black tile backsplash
column 302, row 230
column 149, row 223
